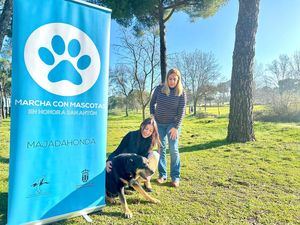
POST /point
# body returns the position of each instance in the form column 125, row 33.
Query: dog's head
column 138, row 166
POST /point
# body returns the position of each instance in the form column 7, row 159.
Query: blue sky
column 278, row 33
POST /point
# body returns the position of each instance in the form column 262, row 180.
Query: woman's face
column 147, row 131
column 172, row 80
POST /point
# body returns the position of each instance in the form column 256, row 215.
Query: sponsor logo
column 38, row 184
column 85, row 176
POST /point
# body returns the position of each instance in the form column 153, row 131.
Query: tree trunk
column 1, row 101
column 195, row 108
column 143, row 110
column 2, row 108
column 162, row 41
column 126, row 110
column 9, row 111
column 126, row 107
column 240, row 128
column 5, row 20
column 5, row 104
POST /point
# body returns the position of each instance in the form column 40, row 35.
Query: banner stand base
column 87, row 218
column 68, row 216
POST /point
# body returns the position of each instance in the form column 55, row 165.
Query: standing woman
column 168, row 107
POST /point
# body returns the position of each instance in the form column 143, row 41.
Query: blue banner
column 59, row 110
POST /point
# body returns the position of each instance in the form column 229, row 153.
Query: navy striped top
column 168, row 109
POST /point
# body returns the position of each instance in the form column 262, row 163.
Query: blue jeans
column 163, row 130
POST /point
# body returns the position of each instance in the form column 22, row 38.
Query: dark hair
column 155, row 136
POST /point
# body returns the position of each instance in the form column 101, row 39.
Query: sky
column 278, row 33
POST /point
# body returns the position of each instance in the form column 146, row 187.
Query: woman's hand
column 108, row 166
column 173, row 133
column 150, row 154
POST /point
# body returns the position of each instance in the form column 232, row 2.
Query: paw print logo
column 62, row 59
column 58, row 72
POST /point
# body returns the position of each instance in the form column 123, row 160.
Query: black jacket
column 133, row 142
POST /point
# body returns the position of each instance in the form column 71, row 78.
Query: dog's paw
column 111, row 200
column 128, row 192
column 156, row 201
column 128, row 214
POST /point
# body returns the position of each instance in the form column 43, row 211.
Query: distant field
column 222, row 111
column 222, row 183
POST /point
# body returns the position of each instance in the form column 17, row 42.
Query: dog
column 126, row 169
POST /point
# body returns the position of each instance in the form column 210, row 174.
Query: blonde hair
column 179, row 87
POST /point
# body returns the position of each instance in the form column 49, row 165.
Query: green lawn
column 223, row 111
column 222, row 183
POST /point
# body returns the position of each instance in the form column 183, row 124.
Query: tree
column 288, row 94
column 114, row 102
column 240, row 127
column 133, row 101
column 5, row 20
column 264, row 95
column 199, row 70
column 289, row 85
column 259, row 75
column 122, row 82
column 295, row 65
column 141, row 55
column 279, row 70
column 5, row 86
column 208, row 92
column 223, row 90
column 280, row 77
column 147, row 13
column 6, row 51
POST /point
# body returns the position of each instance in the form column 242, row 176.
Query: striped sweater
column 168, row 109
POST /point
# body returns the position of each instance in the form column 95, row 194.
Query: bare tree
column 259, row 75
column 295, row 65
column 208, row 92
column 142, row 56
column 279, row 70
column 5, row 87
column 280, row 76
column 261, row 84
column 223, row 90
column 199, row 70
column 122, row 82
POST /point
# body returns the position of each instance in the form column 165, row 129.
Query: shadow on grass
column 205, row 146
column 98, row 213
column 199, row 147
column 110, row 214
column 3, row 207
column 4, row 160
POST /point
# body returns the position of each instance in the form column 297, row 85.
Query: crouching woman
column 140, row 142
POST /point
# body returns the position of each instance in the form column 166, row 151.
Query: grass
column 222, row 183
column 213, row 111
column 223, row 110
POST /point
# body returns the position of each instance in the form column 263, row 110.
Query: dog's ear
column 130, row 165
column 130, row 162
